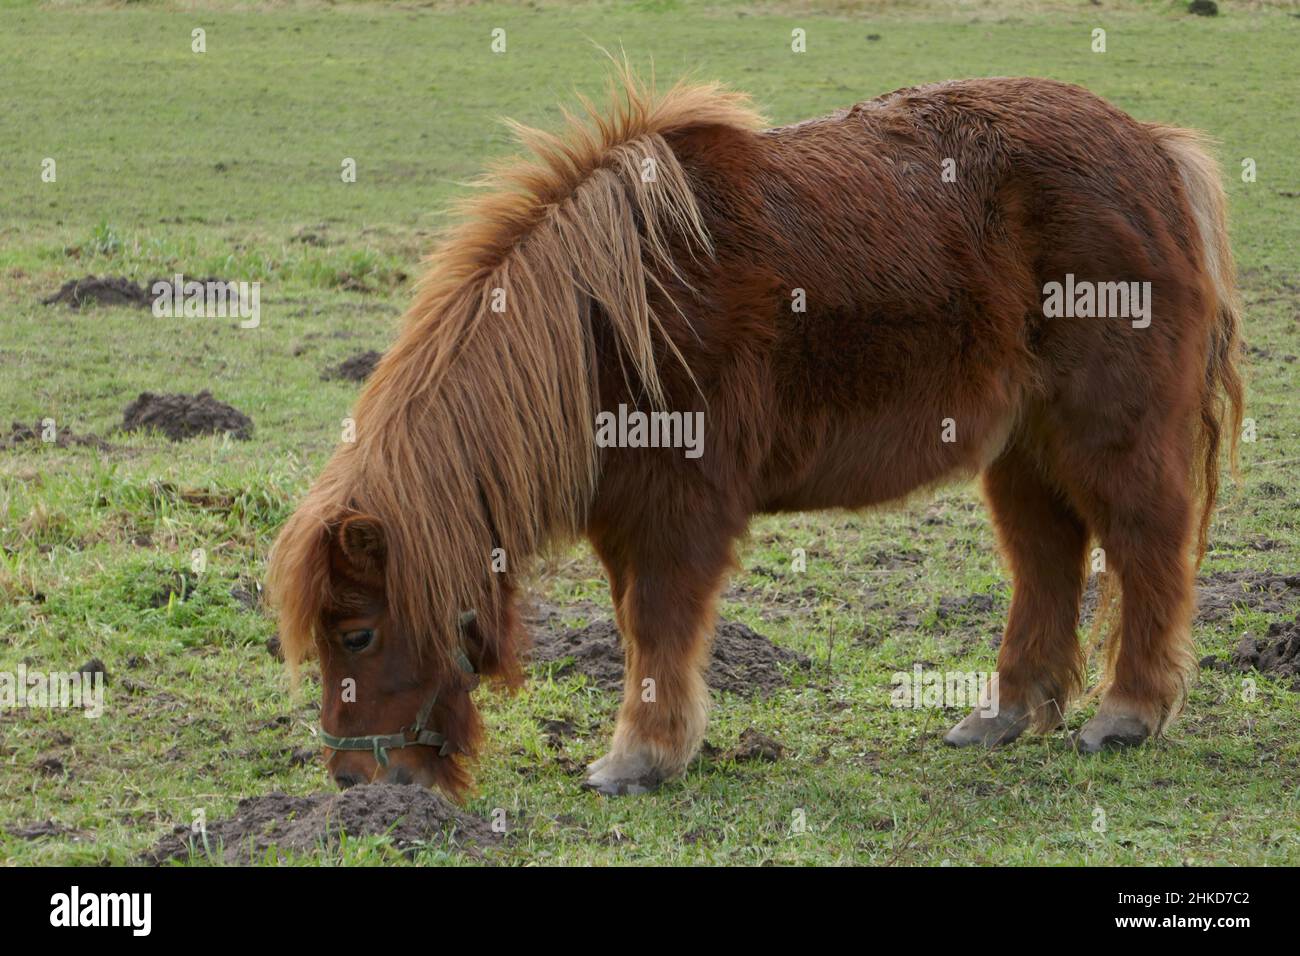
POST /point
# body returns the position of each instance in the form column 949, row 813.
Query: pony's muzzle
column 397, row 775
column 353, row 769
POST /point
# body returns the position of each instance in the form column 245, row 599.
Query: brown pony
column 1007, row 277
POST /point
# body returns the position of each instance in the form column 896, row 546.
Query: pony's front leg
column 665, row 609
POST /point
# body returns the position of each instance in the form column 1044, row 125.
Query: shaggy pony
column 856, row 306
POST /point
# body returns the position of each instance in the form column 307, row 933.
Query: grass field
column 227, row 163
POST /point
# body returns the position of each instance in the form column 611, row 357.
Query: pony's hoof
column 1110, row 732
column 1006, row 726
column 622, row 775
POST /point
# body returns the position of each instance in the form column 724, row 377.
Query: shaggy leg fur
column 665, row 609
column 1039, row 664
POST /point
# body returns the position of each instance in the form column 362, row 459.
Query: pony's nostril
column 346, row 780
column 400, row 775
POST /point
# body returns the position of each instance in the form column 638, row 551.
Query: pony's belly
column 859, row 466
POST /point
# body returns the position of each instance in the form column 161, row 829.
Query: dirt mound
column 755, row 746
column 64, row 437
column 1278, row 653
column 743, row 661
column 184, row 416
column 355, row 369
column 110, row 290
column 411, row 816
column 1218, row 595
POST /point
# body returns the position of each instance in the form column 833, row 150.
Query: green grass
column 227, row 163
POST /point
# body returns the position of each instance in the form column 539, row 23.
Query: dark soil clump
column 184, row 416
column 110, row 290
column 1218, row 595
column 355, row 369
column 412, row 817
column 42, row 828
column 64, row 437
column 1277, row 653
column 247, row 594
column 51, row 766
column 743, row 661
column 94, row 666
column 755, row 746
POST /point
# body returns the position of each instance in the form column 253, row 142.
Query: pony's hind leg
column 1040, row 666
column 664, row 603
column 1146, row 533
column 1136, row 496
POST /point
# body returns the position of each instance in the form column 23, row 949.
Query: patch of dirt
column 64, row 437
column 309, row 238
column 184, row 416
column 355, row 369
column 1277, row 653
column 111, row 290
column 755, row 746
column 40, row 829
column 247, row 594
column 1218, row 595
column 743, row 661
column 51, row 766
column 412, row 816
column 557, row 731
column 94, row 666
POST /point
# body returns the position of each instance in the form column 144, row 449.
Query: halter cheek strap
column 417, row 735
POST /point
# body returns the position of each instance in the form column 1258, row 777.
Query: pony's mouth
column 401, row 776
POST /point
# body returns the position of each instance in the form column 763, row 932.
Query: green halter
column 414, row 736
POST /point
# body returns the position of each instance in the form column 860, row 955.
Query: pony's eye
column 358, row 640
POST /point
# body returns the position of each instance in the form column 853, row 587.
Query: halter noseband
column 416, row 735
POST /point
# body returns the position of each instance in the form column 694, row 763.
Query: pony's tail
column 1222, row 396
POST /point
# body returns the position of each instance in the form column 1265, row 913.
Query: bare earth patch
column 412, row 817
column 110, row 290
column 1277, row 653
column 182, row 416
column 742, row 662
column 64, row 437
column 354, row 369
column 1218, row 595
column 44, row 828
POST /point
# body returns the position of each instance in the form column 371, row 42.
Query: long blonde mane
column 476, row 430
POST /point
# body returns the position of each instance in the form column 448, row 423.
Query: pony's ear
column 361, row 539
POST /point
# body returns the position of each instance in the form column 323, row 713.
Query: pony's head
column 396, row 700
